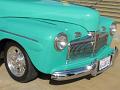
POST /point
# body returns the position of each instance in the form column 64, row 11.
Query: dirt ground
column 109, row 80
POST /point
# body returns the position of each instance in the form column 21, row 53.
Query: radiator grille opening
column 87, row 46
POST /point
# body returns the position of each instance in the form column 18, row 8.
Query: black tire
column 30, row 72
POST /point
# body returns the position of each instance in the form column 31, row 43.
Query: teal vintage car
column 64, row 40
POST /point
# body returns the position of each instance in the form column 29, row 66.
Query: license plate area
column 104, row 63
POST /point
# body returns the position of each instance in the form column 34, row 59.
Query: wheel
column 18, row 63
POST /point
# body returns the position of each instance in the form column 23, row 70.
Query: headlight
column 113, row 29
column 61, row 41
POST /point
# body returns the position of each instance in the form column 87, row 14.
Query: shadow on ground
column 53, row 82
column 1, row 62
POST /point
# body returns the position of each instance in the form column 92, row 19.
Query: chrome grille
column 101, row 40
column 87, row 46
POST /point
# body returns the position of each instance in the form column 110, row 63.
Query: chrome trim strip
column 95, row 41
column 83, row 71
column 18, row 35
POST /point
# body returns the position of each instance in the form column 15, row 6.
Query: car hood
column 52, row 11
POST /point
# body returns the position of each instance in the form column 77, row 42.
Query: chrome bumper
column 83, row 71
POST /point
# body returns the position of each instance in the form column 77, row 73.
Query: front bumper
column 82, row 71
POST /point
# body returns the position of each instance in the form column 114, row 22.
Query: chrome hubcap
column 16, row 61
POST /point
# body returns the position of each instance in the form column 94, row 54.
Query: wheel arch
column 27, row 75
column 3, row 43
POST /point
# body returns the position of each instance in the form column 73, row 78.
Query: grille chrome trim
column 87, row 46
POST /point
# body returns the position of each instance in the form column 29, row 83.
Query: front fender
column 34, row 36
column 37, row 38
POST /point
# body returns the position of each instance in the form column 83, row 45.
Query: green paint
column 42, row 20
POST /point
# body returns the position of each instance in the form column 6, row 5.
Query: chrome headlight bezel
column 61, row 41
column 113, row 29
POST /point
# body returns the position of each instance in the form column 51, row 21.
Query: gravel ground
column 108, row 80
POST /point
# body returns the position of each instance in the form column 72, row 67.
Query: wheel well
column 3, row 44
